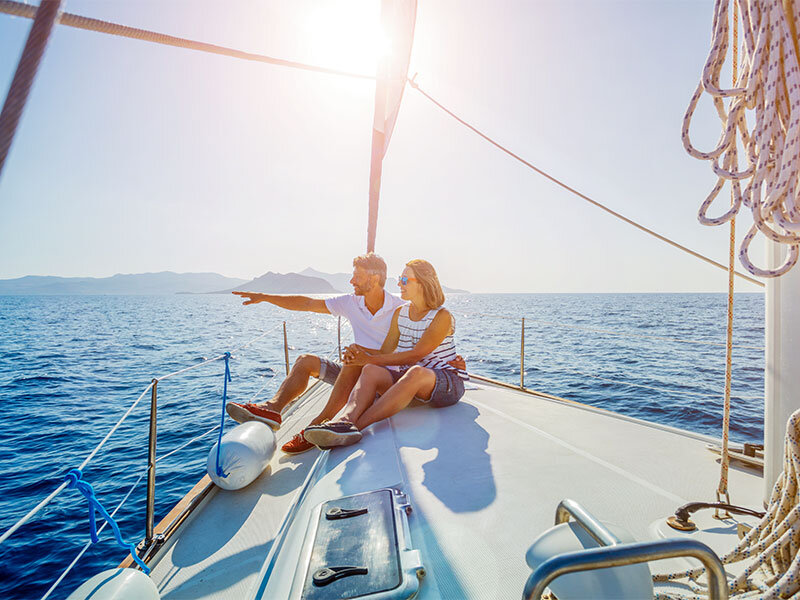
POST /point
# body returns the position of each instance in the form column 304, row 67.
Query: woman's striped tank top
column 411, row 332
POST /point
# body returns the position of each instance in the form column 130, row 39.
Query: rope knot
column 225, row 379
column 72, row 477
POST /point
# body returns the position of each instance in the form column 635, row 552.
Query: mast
column 781, row 361
column 781, row 337
column 397, row 19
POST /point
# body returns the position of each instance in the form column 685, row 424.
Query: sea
column 71, row 366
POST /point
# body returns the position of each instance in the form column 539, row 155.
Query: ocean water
column 70, row 366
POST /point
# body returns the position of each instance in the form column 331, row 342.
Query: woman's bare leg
column 373, row 380
column 417, row 381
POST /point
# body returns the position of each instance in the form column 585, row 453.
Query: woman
column 412, row 362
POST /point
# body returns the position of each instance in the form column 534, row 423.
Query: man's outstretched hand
column 252, row 297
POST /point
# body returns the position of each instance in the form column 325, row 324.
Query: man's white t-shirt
column 368, row 330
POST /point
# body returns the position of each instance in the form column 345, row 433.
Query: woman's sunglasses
column 403, row 280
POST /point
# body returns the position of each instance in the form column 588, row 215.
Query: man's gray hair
column 372, row 263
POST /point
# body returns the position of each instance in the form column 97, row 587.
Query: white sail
column 397, row 19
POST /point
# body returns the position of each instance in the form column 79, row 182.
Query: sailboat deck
column 484, row 478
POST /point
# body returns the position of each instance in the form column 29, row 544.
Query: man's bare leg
column 296, row 382
column 341, row 391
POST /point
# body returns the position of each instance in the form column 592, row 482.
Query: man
column 369, row 309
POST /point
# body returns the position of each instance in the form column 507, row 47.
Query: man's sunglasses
column 403, row 280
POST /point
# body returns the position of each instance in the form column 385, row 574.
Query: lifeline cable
column 41, row 505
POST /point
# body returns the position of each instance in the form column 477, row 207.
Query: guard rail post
column 151, row 467
column 285, row 348
column 522, row 356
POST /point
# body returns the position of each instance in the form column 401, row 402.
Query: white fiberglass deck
column 484, row 478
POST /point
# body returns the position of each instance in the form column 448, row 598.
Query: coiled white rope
column 769, row 87
column 770, row 549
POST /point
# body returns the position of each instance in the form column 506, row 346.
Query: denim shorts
column 447, row 390
column 328, row 370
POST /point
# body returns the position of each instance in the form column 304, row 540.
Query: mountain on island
column 165, row 282
column 284, row 283
column 308, row 281
column 341, row 281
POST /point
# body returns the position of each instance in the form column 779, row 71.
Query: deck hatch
column 367, row 540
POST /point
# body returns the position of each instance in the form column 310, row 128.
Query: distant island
column 308, row 281
column 165, row 282
column 311, row 281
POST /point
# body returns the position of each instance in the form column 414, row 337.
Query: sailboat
column 510, row 493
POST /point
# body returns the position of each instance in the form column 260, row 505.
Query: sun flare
column 348, row 36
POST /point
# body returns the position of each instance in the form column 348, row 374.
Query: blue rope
column 75, row 479
column 225, row 380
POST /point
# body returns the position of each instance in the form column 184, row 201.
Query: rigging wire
column 572, row 190
column 18, row 9
column 44, row 17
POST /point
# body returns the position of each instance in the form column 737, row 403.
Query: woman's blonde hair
column 426, row 276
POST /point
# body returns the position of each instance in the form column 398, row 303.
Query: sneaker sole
column 242, row 415
column 311, row 447
column 325, row 440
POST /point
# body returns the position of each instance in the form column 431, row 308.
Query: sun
column 348, row 35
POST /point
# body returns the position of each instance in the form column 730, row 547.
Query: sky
column 133, row 157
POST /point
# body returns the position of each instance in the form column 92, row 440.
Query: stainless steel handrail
column 593, row 527
column 615, row 554
column 628, row 554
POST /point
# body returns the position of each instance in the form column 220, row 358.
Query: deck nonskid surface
column 484, row 477
column 220, row 549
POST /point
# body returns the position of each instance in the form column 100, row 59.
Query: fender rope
column 75, row 479
column 225, row 380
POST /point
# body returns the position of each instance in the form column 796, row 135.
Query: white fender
column 245, row 452
column 117, row 584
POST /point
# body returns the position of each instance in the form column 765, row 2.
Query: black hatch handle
column 327, row 575
column 336, row 512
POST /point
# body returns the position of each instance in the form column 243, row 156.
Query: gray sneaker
column 332, row 434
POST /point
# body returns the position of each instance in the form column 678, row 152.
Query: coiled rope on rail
column 769, row 86
column 770, row 550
